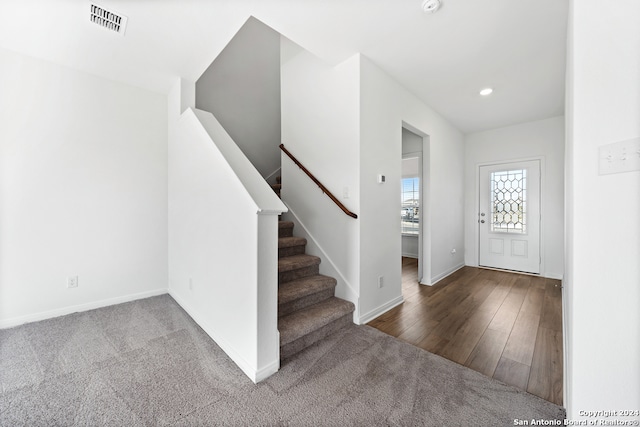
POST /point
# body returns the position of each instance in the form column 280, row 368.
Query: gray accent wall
column 241, row 88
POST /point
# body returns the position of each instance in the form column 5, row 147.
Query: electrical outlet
column 72, row 282
column 453, row 251
column 380, row 282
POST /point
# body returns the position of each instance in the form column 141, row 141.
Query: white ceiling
column 515, row 46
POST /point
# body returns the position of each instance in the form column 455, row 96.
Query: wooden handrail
column 314, row 179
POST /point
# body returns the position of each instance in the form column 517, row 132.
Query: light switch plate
column 622, row 156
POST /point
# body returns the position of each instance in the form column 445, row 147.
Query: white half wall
column 602, row 275
column 385, row 107
column 222, row 239
column 539, row 139
column 83, row 190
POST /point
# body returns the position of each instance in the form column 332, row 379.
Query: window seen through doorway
column 410, row 211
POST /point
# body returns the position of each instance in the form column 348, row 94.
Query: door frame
column 476, row 227
column 424, row 245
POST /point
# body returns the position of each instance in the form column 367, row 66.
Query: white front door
column 509, row 216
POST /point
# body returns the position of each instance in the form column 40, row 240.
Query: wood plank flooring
column 507, row 326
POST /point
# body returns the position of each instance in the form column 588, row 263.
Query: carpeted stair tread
column 296, row 262
column 302, row 293
column 300, row 288
column 287, row 242
column 290, row 246
column 303, row 322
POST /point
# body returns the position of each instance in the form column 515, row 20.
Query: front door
column 509, row 216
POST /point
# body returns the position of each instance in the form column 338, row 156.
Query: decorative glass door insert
column 509, row 201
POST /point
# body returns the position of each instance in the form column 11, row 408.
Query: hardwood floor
column 507, row 326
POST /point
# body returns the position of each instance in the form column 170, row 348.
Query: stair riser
column 285, row 232
column 291, row 250
column 303, row 342
column 287, row 276
column 304, row 302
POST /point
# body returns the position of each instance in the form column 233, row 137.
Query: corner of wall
column 181, row 97
column 187, row 95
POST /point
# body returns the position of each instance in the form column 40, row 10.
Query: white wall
column 242, row 89
column 602, row 278
column 539, row 139
column 320, row 128
column 409, row 246
column 83, row 190
column 384, row 107
column 222, row 221
column 345, row 124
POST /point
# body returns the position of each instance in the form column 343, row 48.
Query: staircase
column 308, row 311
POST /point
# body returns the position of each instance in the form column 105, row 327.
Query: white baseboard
column 267, row 371
column 380, row 310
column 254, row 374
column 44, row 315
column 449, row 272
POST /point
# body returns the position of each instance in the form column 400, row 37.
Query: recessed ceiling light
column 430, row 5
column 486, row 91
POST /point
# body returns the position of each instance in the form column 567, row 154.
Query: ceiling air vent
column 108, row 19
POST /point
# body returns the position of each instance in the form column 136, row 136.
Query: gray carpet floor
column 146, row 363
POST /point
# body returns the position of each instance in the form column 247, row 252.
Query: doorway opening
column 414, row 209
